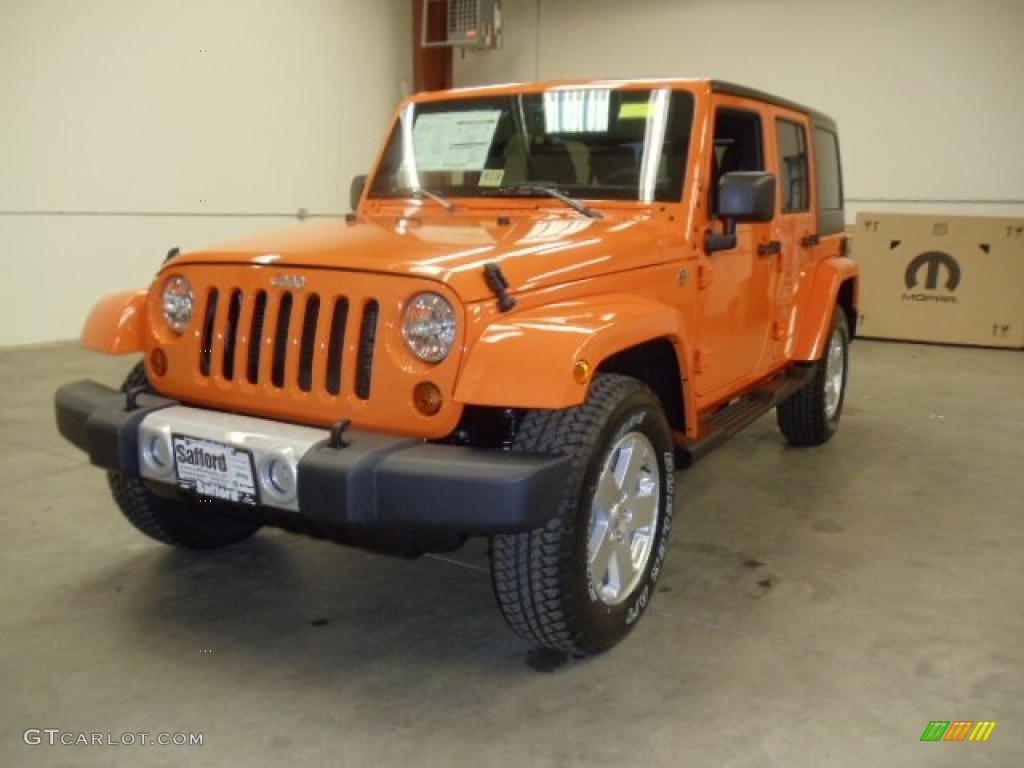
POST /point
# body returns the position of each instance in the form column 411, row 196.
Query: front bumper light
column 177, row 303
column 428, row 327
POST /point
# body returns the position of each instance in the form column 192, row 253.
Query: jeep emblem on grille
column 291, row 282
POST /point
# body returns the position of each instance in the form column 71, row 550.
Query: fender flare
column 528, row 360
column 115, row 324
column 816, row 315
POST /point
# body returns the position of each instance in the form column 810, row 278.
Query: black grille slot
column 336, row 345
column 259, row 313
column 231, row 334
column 284, row 313
column 308, row 343
column 209, row 318
column 367, row 336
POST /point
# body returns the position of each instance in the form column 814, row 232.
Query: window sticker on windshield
column 454, row 141
column 637, row 110
column 491, row 177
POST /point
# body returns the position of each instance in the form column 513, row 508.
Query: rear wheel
column 580, row 583
column 811, row 415
column 188, row 524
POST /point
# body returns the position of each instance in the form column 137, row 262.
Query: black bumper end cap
column 393, row 483
column 93, row 417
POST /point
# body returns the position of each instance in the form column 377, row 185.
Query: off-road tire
column 811, row 415
column 542, row 578
column 187, row 524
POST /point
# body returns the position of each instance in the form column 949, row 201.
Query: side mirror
column 742, row 196
column 355, row 190
column 747, row 196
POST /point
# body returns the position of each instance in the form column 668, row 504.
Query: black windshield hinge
column 497, row 282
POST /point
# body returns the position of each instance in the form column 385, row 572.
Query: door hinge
column 700, row 360
column 704, row 275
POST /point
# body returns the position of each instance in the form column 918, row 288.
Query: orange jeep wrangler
column 546, row 297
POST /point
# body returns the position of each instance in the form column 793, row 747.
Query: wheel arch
column 655, row 363
column 847, row 299
column 835, row 283
column 116, row 324
column 547, row 357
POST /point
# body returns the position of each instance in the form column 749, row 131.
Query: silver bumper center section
column 275, row 449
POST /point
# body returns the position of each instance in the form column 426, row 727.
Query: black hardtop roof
column 723, row 86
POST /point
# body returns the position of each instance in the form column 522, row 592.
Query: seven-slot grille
column 253, row 336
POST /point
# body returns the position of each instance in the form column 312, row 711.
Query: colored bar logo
column 958, row 730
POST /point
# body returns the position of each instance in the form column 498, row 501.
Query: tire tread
column 178, row 523
column 529, row 569
column 801, row 418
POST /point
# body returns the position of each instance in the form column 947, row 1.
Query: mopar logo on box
column 931, row 264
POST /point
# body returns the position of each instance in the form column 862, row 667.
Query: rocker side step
column 719, row 425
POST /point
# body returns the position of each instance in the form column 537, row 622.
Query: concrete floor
column 819, row 608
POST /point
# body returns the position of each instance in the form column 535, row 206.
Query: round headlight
column 177, row 303
column 428, row 327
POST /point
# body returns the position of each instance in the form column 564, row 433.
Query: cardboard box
column 946, row 279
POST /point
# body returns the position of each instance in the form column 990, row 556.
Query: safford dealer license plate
column 215, row 470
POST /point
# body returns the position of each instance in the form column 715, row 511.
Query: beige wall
column 155, row 123
column 929, row 94
column 130, row 126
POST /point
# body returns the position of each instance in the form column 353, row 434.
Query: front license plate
column 214, row 469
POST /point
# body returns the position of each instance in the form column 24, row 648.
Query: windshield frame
column 512, row 129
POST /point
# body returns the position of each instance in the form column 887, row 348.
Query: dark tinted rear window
column 829, row 178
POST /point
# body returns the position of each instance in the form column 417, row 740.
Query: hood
column 533, row 252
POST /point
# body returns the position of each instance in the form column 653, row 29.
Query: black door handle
column 770, row 248
column 809, row 241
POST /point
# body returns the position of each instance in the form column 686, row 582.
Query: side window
column 792, row 165
column 829, row 177
column 830, row 182
column 738, row 146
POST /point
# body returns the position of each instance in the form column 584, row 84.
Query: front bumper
column 376, row 484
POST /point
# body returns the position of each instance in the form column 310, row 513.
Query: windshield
column 591, row 143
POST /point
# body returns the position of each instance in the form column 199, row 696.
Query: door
column 795, row 224
column 737, row 298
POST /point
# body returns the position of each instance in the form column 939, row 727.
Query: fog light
column 279, row 478
column 427, row 398
column 158, row 362
column 156, row 452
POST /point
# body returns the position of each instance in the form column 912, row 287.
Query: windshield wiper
column 541, row 189
column 420, row 193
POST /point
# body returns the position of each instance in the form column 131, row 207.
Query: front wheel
column 580, row 583
column 186, row 524
column 181, row 523
column 811, row 415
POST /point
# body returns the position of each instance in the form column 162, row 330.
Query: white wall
column 131, row 126
column 929, row 94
